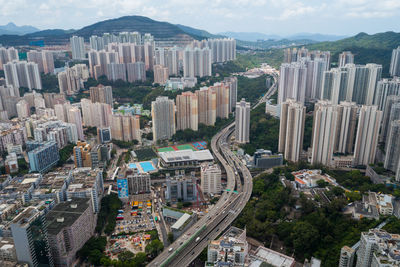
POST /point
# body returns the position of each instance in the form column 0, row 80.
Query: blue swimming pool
column 147, row 166
column 132, row 166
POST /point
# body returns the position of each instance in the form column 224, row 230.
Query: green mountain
column 130, row 24
column 158, row 29
column 200, row 34
column 376, row 48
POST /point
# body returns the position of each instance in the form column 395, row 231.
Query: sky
column 282, row 17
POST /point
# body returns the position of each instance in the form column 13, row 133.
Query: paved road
column 239, row 187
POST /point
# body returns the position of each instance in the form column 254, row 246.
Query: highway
column 237, row 193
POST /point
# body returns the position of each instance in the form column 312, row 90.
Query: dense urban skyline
column 265, row 16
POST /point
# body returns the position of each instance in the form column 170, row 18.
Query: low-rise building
column 181, row 187
column 182, row 224
column 271, row 257
column 378, row 248
column 264, row 159
column 230, row 249
column 87, row 183
column 11, row 163
column 183, row 158
column 7, row 250
column 69, row 225
column 309, row 178
column 210, row 178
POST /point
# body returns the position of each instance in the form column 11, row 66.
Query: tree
column 304, row 237
column 154, row 248
column 170, row 237
column 126, row 256
column 322, row 183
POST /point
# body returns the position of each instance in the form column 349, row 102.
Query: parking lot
column 136, row 216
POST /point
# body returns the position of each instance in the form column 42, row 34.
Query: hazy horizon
column 276, row 17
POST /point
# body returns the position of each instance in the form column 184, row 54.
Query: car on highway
column 197, row 239
column 170, row 249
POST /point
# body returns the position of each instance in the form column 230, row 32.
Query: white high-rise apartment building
column 222, row 50
column 385, row 88
column 346, row 127
column 358, row 77
column 207, row 104
column 163, row 118
column 323, row 135
column 23, row 109
column 291, row 129
column 387, row 115
column 136, row 72
column 96, row 114
column 116, row 71
column 394, row 116
column 392, row 157
column 367, row 135
column 395, row 62
column 210, row 179
column 68, row 82
column 43, row 58
column 74, row 116
column 7, row 55
column 125, row 127
column 346, row 57
column 22, row 74
column 292, row 82
column 78, row 47
column 320, row 65
column 334, row 86
column 160, row 74
column 232, row 82
column 375, row 74
column 96, row 42
column 196, row 62
column 242, row 122
column 187, row 110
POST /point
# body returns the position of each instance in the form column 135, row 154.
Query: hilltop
column 375, row 48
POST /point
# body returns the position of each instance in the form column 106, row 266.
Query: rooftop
column 273, row 257
column 65, row 214
column 186, row 155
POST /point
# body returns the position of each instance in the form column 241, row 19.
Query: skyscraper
column 75, row 117
column 385, row 88
column 116, row 71
column 7, row 55
column 96, row 114
column 160, row 74
column 320, row 65
column 222, row 99
column 23, row 109
column 136, row 72
column 22, row 74
column 292, row 82
column 387, row 115
column 334, row 86
column 125, row 127
column 196, row 62
column 233, row 83
column 375, row 74
column 367, row 135
column 102, row 94
column 78, row 47
column 69, row 82
column 395, row 62
column 346, row 127
column 163, row 118
column 187, row 110
column 43, row 58
column 207, row 105
column 357, row 86
column 291, row 129
column 394, row 116
column 346, row 57
column 392, row 156
column 242, row 122
column 323, row 135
